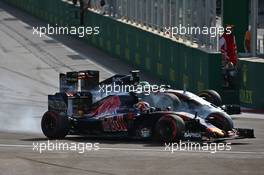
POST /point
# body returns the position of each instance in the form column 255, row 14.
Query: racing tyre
column 169, row 128
column 74, row 2
column 211, row 96
column 221, row 121
column 54, row 126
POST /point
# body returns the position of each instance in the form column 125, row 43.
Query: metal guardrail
column 155, row 15
column 260, row 45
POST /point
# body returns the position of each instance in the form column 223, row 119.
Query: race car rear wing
column 130, row 79
column 79, row 81
column 88, row 79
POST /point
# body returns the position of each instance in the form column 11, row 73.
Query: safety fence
column 157, row 15
column 260, row 41
column 173, row 62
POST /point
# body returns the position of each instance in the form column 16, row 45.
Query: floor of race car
column 29, row 68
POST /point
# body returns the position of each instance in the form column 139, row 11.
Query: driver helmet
column 145, row 85
column 142, row 106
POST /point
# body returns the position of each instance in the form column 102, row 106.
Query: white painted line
column 148, row 150
column 133, row 149
column 184, row 151
column 23, row 146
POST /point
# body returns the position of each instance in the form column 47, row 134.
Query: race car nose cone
column 217, row 132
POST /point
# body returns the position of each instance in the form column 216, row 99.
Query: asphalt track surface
column 29, row 67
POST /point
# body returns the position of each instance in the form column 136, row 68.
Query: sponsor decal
column 114, row 124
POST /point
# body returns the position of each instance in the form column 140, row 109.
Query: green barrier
column 252, row 84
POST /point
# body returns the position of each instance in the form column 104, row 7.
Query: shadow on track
column 84, row 50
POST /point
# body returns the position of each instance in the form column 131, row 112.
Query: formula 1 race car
column 83, row 108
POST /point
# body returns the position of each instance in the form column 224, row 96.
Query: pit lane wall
column 174, row 63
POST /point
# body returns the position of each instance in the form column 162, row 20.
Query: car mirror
column 232, row 109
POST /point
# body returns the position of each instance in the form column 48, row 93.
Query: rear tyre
column 211, row 96
column 169, row 128
column 54, row 126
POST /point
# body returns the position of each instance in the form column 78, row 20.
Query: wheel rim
column 50, row 123
column 167, row 130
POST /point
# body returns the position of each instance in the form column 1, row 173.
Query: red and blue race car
column 80, row 108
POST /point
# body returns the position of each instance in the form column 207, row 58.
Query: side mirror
column 232, row 109
column 135, row 76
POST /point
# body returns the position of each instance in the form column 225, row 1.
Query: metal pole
column 184, row 19
column 170, row 16
column 159, row 15
column 202, row 38
column 136, row 12
column 213, row 20
column 120, row 9
column 146, row 13
column 254, row 29
column 156, row 14
column 127, row 10
column 141, row 12
column 152, row 15
column 133, row 9
column 164, row 15
column 177, row 16
column 207, row 22
column 222, row 12
column 191, row 11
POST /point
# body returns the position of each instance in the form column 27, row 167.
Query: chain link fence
column 159, row 15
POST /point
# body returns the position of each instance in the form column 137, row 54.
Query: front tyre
column 169, row 128
column 221, row 121
column 211, row 96
column 54, row 126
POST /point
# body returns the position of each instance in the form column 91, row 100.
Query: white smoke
column 20, row 109
column 23, row 121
